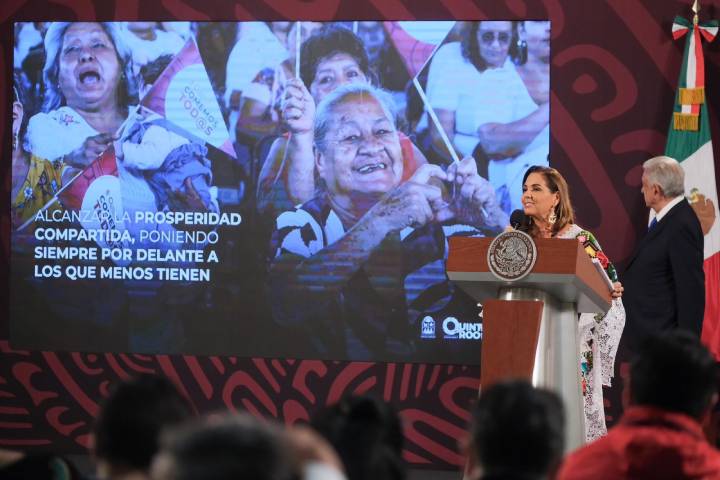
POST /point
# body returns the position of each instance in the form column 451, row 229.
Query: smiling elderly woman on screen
column 546, row 202
column 332, row 57
column 90, row 85
column 360, row 264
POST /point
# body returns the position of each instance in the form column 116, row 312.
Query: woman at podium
column 549, row 214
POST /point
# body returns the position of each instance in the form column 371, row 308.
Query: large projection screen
column 265, row 189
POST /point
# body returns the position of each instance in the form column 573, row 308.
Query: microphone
column 518, row 220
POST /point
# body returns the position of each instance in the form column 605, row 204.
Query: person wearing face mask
column 332, row 57
column 357, row 267
column 485, row 108
column 549, row 214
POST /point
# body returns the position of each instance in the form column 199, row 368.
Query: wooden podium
column 530, row 326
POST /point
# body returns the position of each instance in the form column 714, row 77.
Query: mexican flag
column 689, row 143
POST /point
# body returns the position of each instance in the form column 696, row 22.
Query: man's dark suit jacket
column 664, row 281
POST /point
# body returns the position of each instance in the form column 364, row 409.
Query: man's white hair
column 666, row 173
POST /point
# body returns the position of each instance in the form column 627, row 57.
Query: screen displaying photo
column 265, row 189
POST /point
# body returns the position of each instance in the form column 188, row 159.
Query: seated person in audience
column 17, row 465
column 517, row 432
column 372, row 423
column 225, row 448
column 673, row 387
column 127, row 429
column 332, row 57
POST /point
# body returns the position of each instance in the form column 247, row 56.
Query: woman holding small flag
column 332, row 57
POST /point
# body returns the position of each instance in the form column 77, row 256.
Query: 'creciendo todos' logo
column 511, row 255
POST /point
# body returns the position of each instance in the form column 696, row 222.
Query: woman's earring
column 15, row 141
column 552, row 218
column 521, row 51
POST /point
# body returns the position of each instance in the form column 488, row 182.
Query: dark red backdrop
column 613, row 75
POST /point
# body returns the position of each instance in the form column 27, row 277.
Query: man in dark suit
column 664, row 281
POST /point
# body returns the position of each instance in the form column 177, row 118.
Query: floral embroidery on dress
column 67, row 119
column 592, row 247
column 598, row 338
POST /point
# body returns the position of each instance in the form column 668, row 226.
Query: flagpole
column 443, row 134
column 298, row 41
column 696, row 11
column 436, row 121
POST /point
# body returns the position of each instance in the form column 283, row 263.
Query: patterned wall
column 613, row 74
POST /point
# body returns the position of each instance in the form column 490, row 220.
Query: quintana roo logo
column 511, row 255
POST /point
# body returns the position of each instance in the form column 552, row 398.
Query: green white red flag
column 689, row 143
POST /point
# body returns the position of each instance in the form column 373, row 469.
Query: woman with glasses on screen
column 549, row 214
column 485, row 108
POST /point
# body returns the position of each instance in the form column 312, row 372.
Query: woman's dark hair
column 229, row 447
column 531, row 420
column 367, row 435
column 675, row 372
column 327, row 41
column 471, row 49
column 152, row 70
column 131, row 418
column 20, row 95
column 556, row 183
